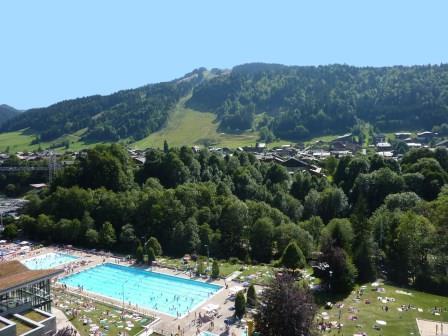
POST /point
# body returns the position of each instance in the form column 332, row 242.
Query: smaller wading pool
column 48, row 260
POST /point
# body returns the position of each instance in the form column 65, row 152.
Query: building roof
column 443, row 143
column 344, row 136
column 38, row 185
column 425, row 133
column 14, row 274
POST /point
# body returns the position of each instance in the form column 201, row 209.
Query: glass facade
column 35, row 295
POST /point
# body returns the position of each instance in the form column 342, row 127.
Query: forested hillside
column 285, row 102
column 125, row 114
column 7, row 112
column 300, row 102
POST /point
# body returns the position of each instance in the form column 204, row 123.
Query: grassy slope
column 16, row 141
column 398, row 323
column 21, row 141
column 189, row 127
column 184, row 127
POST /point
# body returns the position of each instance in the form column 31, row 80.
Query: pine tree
column 151, row 256
column 292, row 257
column 240, row 305
column 139, row 253
column 251, row 296
column 215, row 269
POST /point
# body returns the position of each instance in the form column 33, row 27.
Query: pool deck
column 167, row 324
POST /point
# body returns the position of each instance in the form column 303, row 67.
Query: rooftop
column 13, row 274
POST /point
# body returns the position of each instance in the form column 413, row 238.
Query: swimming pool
column 48, row 260
column 165, row 293
column 208, row 333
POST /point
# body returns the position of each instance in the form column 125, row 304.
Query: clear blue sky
column 52, row 50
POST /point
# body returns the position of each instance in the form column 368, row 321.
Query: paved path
column 432, row 328
column 61, row 319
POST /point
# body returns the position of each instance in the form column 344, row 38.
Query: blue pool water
column 168, row 294
column 48, row 260
column 208, row 333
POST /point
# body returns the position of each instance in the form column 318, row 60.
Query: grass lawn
column 21, row 141
column 261, row 273
column 108, row 318
column 21, row 327
column 16, row 141
column 398, row 322
column 189, row 127
column 35, row 316
column 324, row 138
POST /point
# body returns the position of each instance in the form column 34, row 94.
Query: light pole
column 122, row 287
column 208, row 256
column 329, row 284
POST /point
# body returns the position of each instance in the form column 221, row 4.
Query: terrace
column 35, row 315
column 22, row 326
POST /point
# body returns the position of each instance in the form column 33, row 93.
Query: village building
column 402, row 135
column 383, row 146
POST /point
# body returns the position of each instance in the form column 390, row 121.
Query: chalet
column 269, row 157
column 321, row 154
column 139, row 160
column 260, row 145
column 386, row 154
column 426, row 136
column 383, row 146
column 338, row 145
column 222, row 151
column 24, row 294
column 285, row 150
column 196, row 149
column 412, row 145
column 344, row 146
column 253, row 149
column 294, row 164
column 378, row 138
column 402, row 135
column 341, row 153
column 38, row 186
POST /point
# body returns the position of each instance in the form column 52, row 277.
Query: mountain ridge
column 7, row 112
column 280, row 101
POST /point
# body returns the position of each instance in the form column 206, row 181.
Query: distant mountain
column 7, row 112
column 302, row 102
column 289, row 102
column 125, row 114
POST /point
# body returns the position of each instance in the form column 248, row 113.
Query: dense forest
column 373, row 216
column 299, row 102
column 287, row 102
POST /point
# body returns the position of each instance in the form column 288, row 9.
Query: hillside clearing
column 189, row 127
column 22, row 141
